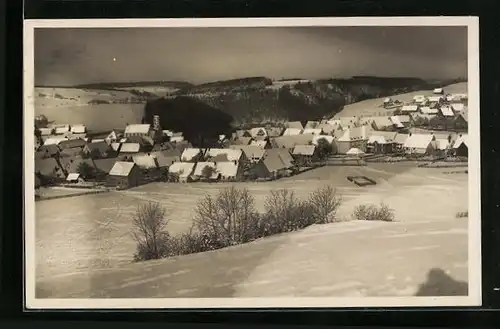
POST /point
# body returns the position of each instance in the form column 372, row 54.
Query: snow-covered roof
column 121, row 168
column 183, row 169
column 189, row 153
column 387, row 100
column 458, row 107
column 382, row 137
column 295, row 125
column 353, row 134
column 261, row 144
column 355, row 151
column 292, row 131
column 144, row 161
column 401, row 138
column 115, row 146
column 312, row 124
column 437, row 90
column 232, row 154
column 447, row 111
column 54, row 140
column 259, row 131
column 419, row 141
column 227, row 169
column 292, row 140
column 130, row 148
column 45, row 131
column 303, row 150
column 461, row 139
column 177, row 139
column 137, row 129
column 200, row 166
column 327, row 128
column 62, row 129
column 428, row 110
column 442, row 143
column 436, row 99
column 409, row 108
column 250, row 151
column 78, row 129
column 314, row 131
column 316, row 138
column 73, row 176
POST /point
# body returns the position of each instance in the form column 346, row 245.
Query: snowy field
column 373, row 106
column 84, row 247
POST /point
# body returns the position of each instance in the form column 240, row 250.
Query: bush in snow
column 374, row 213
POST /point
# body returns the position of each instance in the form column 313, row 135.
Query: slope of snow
column 351, row 258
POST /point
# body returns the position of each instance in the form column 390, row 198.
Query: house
column 327, row 128
column 62, row 130
column 234, row 155
column 191, row 154
column 78, row 129
column 259, row 131
column 283, row 154
column 387, row 100
column 439, row 91
column 295, row 125
column 47, row 151
column 49, row 169
column 380, row 122
column 441, row 145
column 292, row 131
column 353, row 137
column 312, row 125
column 181, row 170
column 400, row 121
column 274, row 131
column 205, row 170
column 146, row 143
column 98, row 150
column 112, row 137
column 54, row 140
column 457, row 107
column 252, row 152
column 447, row 111
column 104, row 166
column 328, row 138
column 312, row 131
column 355, row 151
column 435, row 99
column 262, row 144
column 124, row 175
column 461, row 145
column 381, row 142
column 409, row 108
column 271, row 167
column 145, row 161
column 116, row 147
column 71, row 164
column 399, row 141
column 165, row 159
column 289, row 142
column 46, row 131
column 419, row 98
column 74, row 178
column 129, row 149
column 137, row 130
column 428, row 110
column 228, row 170
column 420, row 144
column 72, row 144
column 305, row 154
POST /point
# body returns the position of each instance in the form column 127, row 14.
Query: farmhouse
column 98, row 150
column 274, row 131
column 234, row 155
column 435, row 99
column 419, row 98
column 305, row 154
column 380, row 123
column 112, row 137
column 54, row 140
column 283, row 154
column 74, row 178
column 428, row 110
column 447, row 111
column 205, row 170
column 400, row 121
column 49, row 169
column 252, row 152
column 191, row 154
column 419, row 144
column 329, row 139
column 381, row 142
column 259, row 131
column 228, row 170
column 312, row 131
column 271, row 167
column 145, row 161
column 292, row 131
column 46, row 131
column 124, row 175
column 295, row 125
column 129, row 148
column 327, row 128
column 289, row 142
column 78, row 129
column 165, row 159
column 312, row 125
column 182, row 170
column 409, row 108
column 137, row 130
column 353, row 137
column 441, row 145
column 461, row 145
column 62, row 130
column 400, row 140
column 72, row 164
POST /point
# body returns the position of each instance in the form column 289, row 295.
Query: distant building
column 381, row 142
column 461, row 145
column 420, row 144
column 356, row 137
column 124, row 175
column 305, row 154
column 438, row 91
column 137, row 130
column 181, row 170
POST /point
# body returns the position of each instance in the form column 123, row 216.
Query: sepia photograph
column 252, row 163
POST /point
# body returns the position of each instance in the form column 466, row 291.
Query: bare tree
column 149, row 232
column 228, row 218
column 325, row 202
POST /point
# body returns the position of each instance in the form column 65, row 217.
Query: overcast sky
column 76, row 56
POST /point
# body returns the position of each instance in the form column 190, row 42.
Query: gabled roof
column 292, row 131
column 258, row 131
column 274, row 131
column 316, row 138
column 289, row 142
column 200, row 166
column 115, row 146
column 54, row 140
column 458, row 107
column 461, row 139
column 447, row 111
column 227, row 169
column 354, row 151
column 49, row 167
column 45, row 131
column 61, row 129
column 312, row 125
column 78, row 129
column 102, row 147
column 401, row 138
column 50, row 150
column 165, row 158
column 73, row 176
column 72, row 143
column 354, row 134
column 304, row 150
column 283, row 154
column 436, row 99
column 428, row 110
column 232, row 154
column 145, row 161
column 379, row 121
column 183, row 169
column 189, row 153
column 261, row 144
column 273, row 163
column 295, row 125
column 419, row 141
column 70, row 164
column 314, row 131
column 437, row 90
column 382, row 137
column 441, row 143
column 138, row 129
column 105, row 165
column 327, row 128
column 130, row 148
column 121, row 168
column 250, row 151
column 409, row 108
